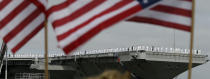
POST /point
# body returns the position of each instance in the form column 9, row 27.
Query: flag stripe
column 85, row 17
column 169, row 13
column 4, row 3
column 75, row 24
column 99, row 28
column 26, row 39
column 9, row 8
column 161, row 22
column 20, row 20
column 78, row 13
column 56, row 15
column 14, row 13
column 178, row 4
column 22, row 25
column 59, row 7
column 167, row 17
column 188, row 0
column 97, row 22
column 26, row 31
column 17, row 20
column 43, row 3
column 115, row 7
column 172, row 10
column 40, row 4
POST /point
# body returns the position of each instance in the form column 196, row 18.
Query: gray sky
column 126, row 34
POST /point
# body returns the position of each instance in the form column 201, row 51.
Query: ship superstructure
column 143, row 62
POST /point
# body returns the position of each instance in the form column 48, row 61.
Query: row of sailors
column 133, row 48
column 137, row 48
column 153, row 49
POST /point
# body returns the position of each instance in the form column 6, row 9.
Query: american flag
column 77, row 21
column 20, row 20
column 169, row 13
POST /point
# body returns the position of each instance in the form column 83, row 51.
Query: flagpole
column 46, row 50
column 6, row 64
column 191, row 40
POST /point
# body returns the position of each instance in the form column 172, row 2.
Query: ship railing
column 56, row 53
column 138, row 48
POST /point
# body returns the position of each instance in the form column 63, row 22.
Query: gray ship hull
column 142, row 64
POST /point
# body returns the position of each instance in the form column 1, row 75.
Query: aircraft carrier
column 142, row 61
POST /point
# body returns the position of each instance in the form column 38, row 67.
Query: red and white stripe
column 77, row 21
column 170, row 13
column 20, row 20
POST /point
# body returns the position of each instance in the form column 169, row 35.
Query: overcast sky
column 126, row 34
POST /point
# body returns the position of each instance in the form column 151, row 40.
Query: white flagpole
column 6, row 65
